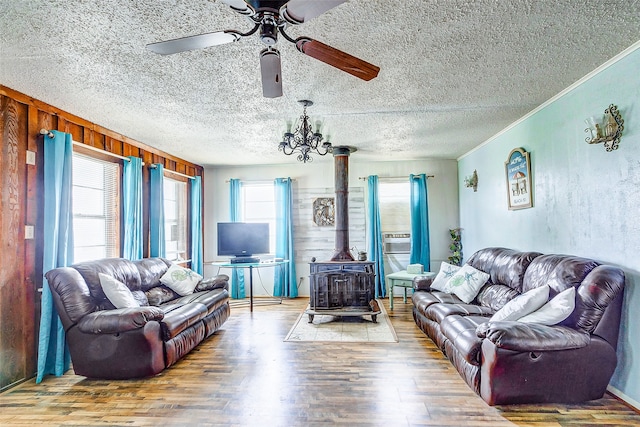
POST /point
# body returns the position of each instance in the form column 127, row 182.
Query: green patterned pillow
column 466, row 283
column 181, row 280
column 442, row 279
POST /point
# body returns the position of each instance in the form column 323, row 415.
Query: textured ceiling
column 453, row 73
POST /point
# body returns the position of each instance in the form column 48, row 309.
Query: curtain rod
column 89, row 147
column 266, row 181
column 173, row 172
column 392, row 177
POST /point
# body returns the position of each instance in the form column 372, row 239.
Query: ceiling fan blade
column 271, row 73
column 337, row 58
column 194, row 42
column 239, row 6
column 300, row 11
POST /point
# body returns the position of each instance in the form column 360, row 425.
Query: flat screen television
column 243, row 239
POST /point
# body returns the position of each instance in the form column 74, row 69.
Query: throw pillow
column 522, row 305
column 446, row 272
column 117, row 292
column 555, row 311
column 466, row 283
column 181, row 280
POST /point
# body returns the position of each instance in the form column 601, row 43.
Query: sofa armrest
column 221, row 281
column 518, row 336
column 422, row 283
column 119, row 320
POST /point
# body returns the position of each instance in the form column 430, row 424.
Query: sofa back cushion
column 150, row 271
column 506, row 268
column 121, row 269
column 557, row 271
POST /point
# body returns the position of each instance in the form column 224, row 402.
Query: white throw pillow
column 467, row 282
column 555, row 311
column 117, row 292
column 522, row 305
column 442, row 278
column 181, row 280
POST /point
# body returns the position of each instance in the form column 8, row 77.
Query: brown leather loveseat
column 509, row 361
column 109, row 343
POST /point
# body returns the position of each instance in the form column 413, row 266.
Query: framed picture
column 518, row 170
column 324, row 212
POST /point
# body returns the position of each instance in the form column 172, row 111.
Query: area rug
column 329, row 328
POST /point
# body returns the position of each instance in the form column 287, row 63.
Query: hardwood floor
column 245, row 375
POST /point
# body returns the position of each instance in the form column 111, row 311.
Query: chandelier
column 304, row 140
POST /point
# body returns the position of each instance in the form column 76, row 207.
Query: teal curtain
column 132, row 204
column 284, row 283
column 237, row 275
column 156, row 211
column 374, row 232
column 419, row 222
column 53, row 352
column 196, row 225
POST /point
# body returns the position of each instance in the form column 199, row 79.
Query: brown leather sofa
column 109, row 343
column 510, row 362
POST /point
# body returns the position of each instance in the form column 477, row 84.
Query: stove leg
column 374, row 318
column 310, row 318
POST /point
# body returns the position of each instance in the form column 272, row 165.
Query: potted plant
column 455, row 247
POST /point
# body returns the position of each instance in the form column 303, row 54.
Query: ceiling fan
column 271, row 17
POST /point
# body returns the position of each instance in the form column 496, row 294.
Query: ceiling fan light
column 271, row 70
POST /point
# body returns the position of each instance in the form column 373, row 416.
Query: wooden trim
column 65, row 118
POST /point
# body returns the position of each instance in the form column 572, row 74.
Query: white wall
column 442, row 189
column 586, row 200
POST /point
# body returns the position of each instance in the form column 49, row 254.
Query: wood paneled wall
column 21, row 118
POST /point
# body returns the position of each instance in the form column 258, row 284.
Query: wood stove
column 342, row 286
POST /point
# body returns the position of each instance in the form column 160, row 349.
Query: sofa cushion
column 181, row 280
column 121, row 269
column 558, row 271
column 466, row 283
column 117, row 292
column 523, row 304
column 178, row 317
column 461, row 331
column 422, row 299
column 160, row 294
column 151, row 270
column 506, row 266
column 495, row 296
column 441, row 280
column 555, row 311
column 210, row 299
column 438, row 312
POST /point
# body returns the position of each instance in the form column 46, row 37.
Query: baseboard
column 624, row 398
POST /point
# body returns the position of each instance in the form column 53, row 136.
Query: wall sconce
column 472, row 181
column 608, row 130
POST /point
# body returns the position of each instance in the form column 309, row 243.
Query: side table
column 402, row 279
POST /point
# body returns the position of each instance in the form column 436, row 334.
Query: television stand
column 244, row 260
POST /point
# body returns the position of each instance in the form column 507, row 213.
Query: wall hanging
column 518, row 171
column 324, row 212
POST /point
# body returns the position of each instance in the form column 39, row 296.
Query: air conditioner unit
column 396, row 243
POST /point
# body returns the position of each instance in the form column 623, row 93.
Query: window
column 175, row 219
column 259, row 205
column 395, row 206
column 96, row 208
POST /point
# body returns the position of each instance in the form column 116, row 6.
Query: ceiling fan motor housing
column 268, row 32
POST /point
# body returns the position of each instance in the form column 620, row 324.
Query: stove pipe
column 341, row 159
